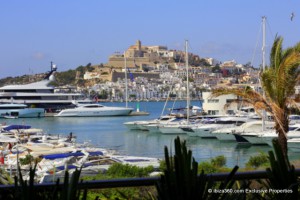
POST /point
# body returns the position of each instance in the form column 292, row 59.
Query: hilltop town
column 153, row 73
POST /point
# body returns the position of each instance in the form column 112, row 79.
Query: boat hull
column 224, row 136
column 23, row 113
column 111, row 111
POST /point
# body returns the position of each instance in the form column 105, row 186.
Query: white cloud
column 38, row 56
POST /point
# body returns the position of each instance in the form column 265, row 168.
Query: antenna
column 53, row 66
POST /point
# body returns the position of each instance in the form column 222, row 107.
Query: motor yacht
column 94, row 110
column 13, row 110
column 227, row 134
column 42, row 94
column 205, row 128
column 266, row 137
column 143, row 124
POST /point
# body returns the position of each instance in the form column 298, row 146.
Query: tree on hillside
column 216, row 69
column 66, row 77
column 278, row 82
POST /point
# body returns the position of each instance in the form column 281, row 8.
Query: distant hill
column 69, row 77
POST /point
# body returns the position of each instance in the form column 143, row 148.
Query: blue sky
column 72, row 32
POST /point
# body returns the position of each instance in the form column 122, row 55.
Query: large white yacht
column 41, row 94
column 94, row 110
column 12, row 110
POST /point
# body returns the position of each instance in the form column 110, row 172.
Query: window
column 213, row 112
column 213, row 101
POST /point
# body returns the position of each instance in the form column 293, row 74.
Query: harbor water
column 110, row 133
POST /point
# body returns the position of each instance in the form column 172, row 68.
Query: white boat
column 155, row 127
column 266, row 137
column 204, row 130
column 94, row 166
column 13, row 111
column 10, row 117
column 255, row 137
column 174, row 127
column 227, row 134
column 41, row 94
column 94, row 110
column 137, row 161
column 141, row 125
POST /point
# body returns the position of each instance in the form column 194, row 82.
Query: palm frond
column 276, row 52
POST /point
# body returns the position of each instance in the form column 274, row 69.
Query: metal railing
column 149, row 181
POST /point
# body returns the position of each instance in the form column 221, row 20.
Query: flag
column 130, row 75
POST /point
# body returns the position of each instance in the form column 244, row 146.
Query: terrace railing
column 149, row 181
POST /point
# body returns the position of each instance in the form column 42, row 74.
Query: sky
column 76, row 32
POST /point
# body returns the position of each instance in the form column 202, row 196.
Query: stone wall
column 118, row 62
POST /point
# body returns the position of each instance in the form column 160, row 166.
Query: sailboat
column 251, row 137
column 177, row 127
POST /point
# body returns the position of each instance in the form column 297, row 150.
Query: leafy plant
column 28, row 159
column 121, row 170
column 258, row 160
column 207, row 167
column 118, row 170
column 219, row 161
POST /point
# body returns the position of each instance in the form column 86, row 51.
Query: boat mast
column 263, row 62
column 126, row 84
column 187, row 81
column 264, row 43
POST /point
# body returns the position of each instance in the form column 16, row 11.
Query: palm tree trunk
column 282, row 130
column 282, row 140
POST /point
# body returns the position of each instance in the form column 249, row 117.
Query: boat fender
column 1, row 158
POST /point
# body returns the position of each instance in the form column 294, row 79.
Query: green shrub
column 27, row 160
column 118, row 170
column 219, row 161
column 257, row 161
column 207, row 167
column 214, row 165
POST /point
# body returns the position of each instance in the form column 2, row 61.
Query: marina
column 110, row 133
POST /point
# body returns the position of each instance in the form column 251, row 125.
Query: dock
column 50, row 114
column 138, row 113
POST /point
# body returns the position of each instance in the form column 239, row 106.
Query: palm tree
column 278, row 82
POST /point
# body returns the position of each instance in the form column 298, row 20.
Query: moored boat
column 14, row 110
column 94, row 110
column 42, row 94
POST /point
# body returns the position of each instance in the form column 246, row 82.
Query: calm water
column 109, row 132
